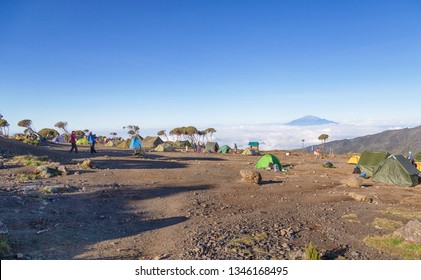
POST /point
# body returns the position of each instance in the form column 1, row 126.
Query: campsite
column 178, row 204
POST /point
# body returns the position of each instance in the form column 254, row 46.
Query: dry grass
column 352, row 218
column 386, row 224
column 402, row 213
column 395, row 245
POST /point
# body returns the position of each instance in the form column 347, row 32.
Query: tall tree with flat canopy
column 323, row 138
column 4, row 126
column 63, row 126
column 28, row 125
column 162, row 133
column 210, row 131
column 132, row 129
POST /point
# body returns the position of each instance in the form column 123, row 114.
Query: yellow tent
column 82, row 141
column 125, row 144
column 354, row 159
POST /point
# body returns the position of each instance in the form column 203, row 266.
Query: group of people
column 91, row 138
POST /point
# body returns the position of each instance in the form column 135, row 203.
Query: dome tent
column 266, row 160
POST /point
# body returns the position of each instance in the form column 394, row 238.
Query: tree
column 323, row 138
column 132, row 129
column 63, row 126
column 177, row 132
column 114, row 134
column 4, row 126
column 48, row 133
column 162, row 133
column 80, row 133
column 28, row 125
column 210, row 131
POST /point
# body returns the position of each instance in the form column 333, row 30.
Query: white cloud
column 285, row 137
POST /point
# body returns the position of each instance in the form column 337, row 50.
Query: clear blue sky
column 160, row 64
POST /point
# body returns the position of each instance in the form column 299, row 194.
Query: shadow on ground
column 64, row 226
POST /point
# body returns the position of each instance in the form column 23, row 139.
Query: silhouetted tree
column 63, row 126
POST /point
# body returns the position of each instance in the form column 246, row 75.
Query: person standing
column 73, row 139
column 235, row 148
column 92, row 141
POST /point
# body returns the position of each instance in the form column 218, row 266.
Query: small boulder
column 360, row 197
column 252, row 176
column 46, row 172
column 63, row 170
column 411, row 232
column 87, row 164
column 354, row 182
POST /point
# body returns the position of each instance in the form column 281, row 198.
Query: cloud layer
column 283, row 137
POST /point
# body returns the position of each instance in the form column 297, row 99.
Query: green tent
column 152, row 142
column 164, row 148
column 224, row 149
column 181, row 144
column 211, row 147
column 265, row 160
column 82, row 141
column 370, row 160
column 396, row 170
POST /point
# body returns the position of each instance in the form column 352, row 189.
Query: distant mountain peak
column 310, row 120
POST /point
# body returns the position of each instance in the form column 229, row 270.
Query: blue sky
column 161, row 64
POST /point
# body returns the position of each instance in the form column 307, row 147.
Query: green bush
column 311, row 253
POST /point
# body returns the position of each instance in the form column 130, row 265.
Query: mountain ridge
column 397, row 141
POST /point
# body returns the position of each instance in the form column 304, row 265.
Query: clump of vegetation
column 31, row 142
column 395, row 245
column 353, row 218
column 26, row 176
column 386, row 224
column 88, row 164
column 48, row 133
column 311, row 252
column 402, row 213
column 4, row 247
column 30, row 160
column 247, row 245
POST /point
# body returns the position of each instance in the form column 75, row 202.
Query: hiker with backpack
column 92, row 141
column 73, row 140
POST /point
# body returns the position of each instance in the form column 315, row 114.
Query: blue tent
column 136, row 143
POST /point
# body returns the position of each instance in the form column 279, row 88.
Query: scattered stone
column 411, row 231
column 252, row 176
column 19, row 256
column 354, row 182
column 360, row 197
column 63, row 170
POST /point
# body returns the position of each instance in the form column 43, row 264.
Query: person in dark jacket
column 92, row 141
column 73, row 140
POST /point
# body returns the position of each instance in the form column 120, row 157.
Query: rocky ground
column 184, row 205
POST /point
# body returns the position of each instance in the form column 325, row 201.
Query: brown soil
column 184, row 205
